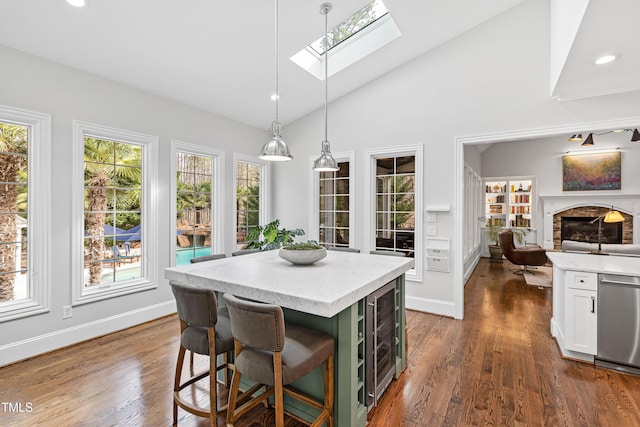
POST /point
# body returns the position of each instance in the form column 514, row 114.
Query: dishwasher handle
column 620, row 280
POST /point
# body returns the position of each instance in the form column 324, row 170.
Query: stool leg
column 279, row 392
column 176, row 382
column 233, row 391
column 329, row 388
column 213, row 381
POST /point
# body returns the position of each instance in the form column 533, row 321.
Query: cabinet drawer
column 437, row 252
column 580, row 280
column 437, row 263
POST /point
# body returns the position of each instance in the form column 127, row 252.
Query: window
column 350, row 26
column 395, row 198
column 333, row 203
column 117, row 188
column 356, row 37
column 250, row 176
column 25, row 148
column 197, row 186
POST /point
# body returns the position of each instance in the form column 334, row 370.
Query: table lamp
column 610, row 217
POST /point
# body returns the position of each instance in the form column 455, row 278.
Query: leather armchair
column 526, row 255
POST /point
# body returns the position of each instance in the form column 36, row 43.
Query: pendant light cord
column 326, row 73
column 276, row 60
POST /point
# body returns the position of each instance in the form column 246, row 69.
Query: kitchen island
column 328, row 296
column 574, row 323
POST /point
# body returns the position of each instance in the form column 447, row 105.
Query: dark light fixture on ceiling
column 589, row 141
column 326, row 162
column 276, row 149
column 577, row 137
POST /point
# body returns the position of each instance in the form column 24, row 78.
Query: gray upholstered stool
column 274, row 355
column 388, row 253
column 244, row 252
column 343, row 249
column 207, row 258
column 194, row 261
column 204, row 329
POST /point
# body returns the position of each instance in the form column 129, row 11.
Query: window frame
column 314, row 196
column 371, row 156
column 38, row 214
column 148, row 262
column 217, row 193
column 264, row 182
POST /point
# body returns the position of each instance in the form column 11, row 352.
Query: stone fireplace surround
column 588, row 205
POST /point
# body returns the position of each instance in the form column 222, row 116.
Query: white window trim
column 414, row 274
column 148, row 262
column 264, row 180
column 39, row 218
column 217, row 193
column 314, row 196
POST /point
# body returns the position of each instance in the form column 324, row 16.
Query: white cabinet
column 581, row 317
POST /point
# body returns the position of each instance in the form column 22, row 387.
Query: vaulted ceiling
column 219, row 56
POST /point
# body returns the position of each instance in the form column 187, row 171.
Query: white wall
column 494, row 79
column 34, row 84
column 543, row 159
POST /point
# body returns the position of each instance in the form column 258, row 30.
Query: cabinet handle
column 581, row 280
column 593, row 304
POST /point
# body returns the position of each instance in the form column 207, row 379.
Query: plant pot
column 496, row 252
column 302, row 257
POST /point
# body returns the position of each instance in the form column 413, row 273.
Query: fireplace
column 556, row 208
column 585, row 229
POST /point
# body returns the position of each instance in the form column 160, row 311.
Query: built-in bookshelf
column 509, row 202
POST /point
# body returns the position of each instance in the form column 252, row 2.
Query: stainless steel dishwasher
column 619, row 322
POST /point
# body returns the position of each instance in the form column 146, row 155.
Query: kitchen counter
column 324, row 288
column 589, row 263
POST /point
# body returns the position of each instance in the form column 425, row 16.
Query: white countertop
column 324, row 288
column 610, row 264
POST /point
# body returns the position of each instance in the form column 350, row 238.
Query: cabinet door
column 581, row 320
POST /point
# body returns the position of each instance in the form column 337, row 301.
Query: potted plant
column 303, row 253
column 495, row 251
column 271, row 236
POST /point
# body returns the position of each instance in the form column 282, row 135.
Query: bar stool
column 245, row 252
column 274, row 355
column 207, row 258
column 194, row 261
column 343, row 249
column 204, row 329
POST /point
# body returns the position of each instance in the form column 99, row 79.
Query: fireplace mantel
column 628, row 203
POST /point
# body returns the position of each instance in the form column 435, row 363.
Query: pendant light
column 326, row 162
column 275, row 149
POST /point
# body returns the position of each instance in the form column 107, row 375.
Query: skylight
column 362, row 33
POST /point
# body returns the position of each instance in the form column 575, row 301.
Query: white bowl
column 302, row 257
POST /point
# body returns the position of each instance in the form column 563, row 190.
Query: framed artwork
column 597, row 171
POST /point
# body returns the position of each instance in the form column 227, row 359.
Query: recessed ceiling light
column 605, row 59
column 77, row 3
column 274, row 97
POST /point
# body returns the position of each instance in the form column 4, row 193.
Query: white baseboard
column 472, row 266
column 20, row 350
column 443, row 308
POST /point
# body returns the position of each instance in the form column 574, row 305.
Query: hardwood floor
column 499, row 366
